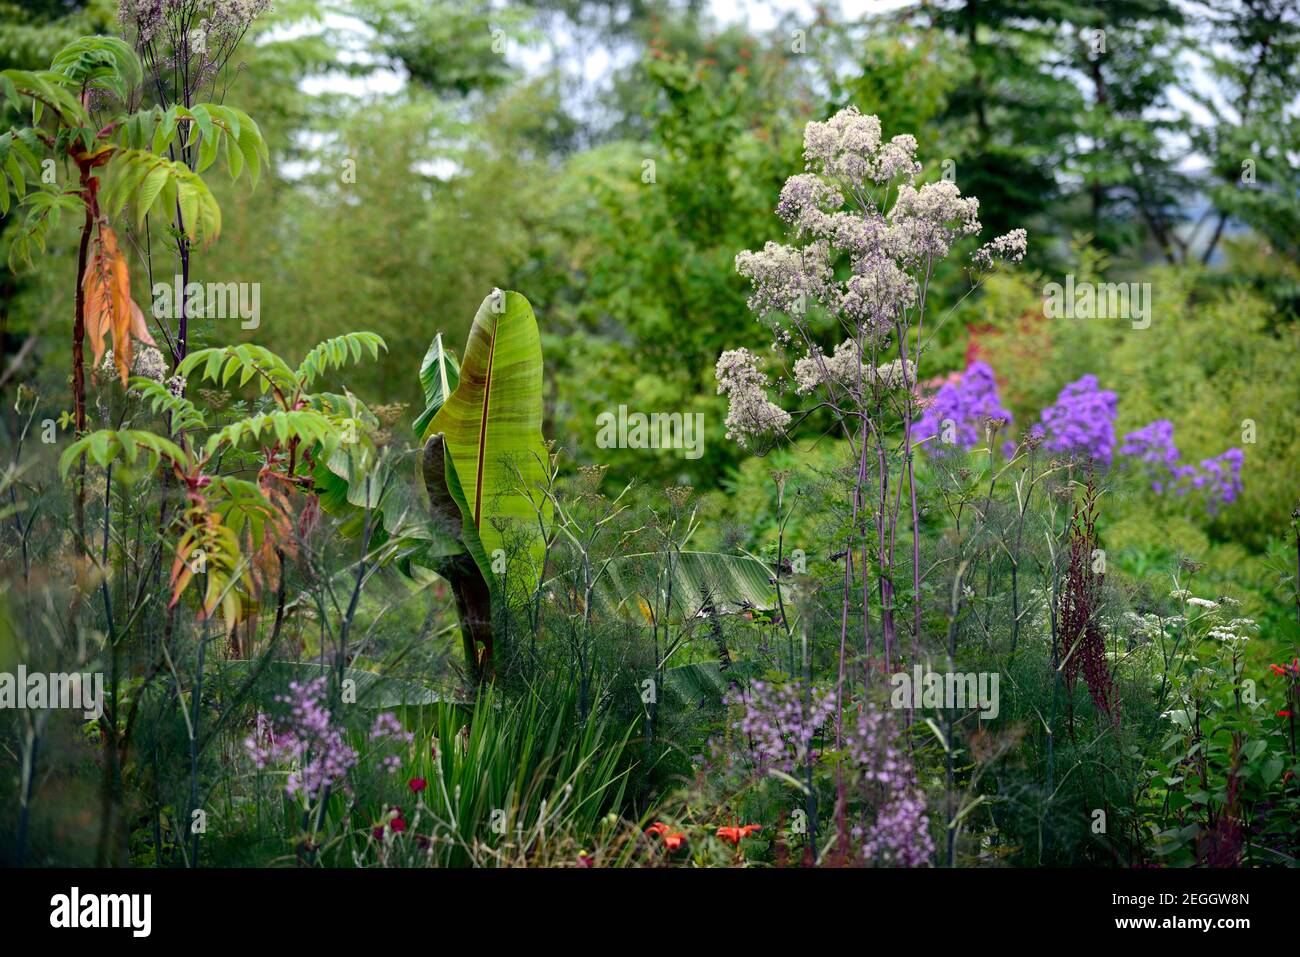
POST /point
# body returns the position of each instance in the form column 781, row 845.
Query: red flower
column 379, row 833
column 674, row 841
column 398, row 825
column 417, row 784
column 736, row 834
column 1277, row 669
column 1284, row 714
column 658, row 828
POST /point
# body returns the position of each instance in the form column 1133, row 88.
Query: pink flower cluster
column 781, row 721
column 307, row 742
column 386, row 729
column 898, row 834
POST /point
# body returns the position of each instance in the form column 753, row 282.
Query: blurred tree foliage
column 32, row 31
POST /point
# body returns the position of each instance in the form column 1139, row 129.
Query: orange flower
column 674, row 841
column 658, row 828
column 736, row 834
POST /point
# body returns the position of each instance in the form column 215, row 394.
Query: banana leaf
column 492, row 424
column 731, row 583
column 703, row 683
column 439, row 376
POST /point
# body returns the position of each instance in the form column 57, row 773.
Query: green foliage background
column 426, row 152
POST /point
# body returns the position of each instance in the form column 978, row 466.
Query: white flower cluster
column 845, row 369
column 221, row 20
column 927, row 221
column 805, row 199
column 1145, row 627
column 1234, row 632
column 848, row 146
column 146, row 361
column 896, row 374
column 749, row 413
column 1009, row 248
column 784, row 277
column 235, row 16
column 875, row 295
column 834, row 211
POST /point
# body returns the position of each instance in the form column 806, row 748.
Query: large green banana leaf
column 492, row 424
column 728, row 582
column 703, row 683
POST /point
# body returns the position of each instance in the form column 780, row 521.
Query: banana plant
column 485, row 466
column 462, row 567
column 492, row 424
column 484, row 457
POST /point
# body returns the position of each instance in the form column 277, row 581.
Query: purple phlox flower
column 959, row 412
column 1153, row 446
column 1081, row 422
column 1218, row 479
